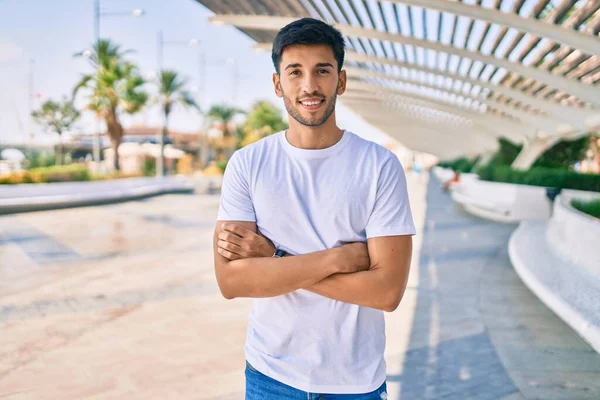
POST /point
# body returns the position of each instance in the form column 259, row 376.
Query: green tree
column 564, row 153
column 171, row 92
column 263, row 119
column 58, row 117
column 115, row 87
column 223, row 114
column 264, row 114
column 507, row 152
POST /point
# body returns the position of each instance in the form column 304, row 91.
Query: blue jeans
column 261, row 387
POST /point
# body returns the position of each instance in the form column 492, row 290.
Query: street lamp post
column 138, row 12
column 236, row 80
column 30, row 95
column 160, row 44
column 235, row 75
column 233, row 61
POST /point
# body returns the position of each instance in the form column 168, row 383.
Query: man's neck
column 314, row 138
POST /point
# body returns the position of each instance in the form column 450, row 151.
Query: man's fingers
column 236, row 229
column 227, row 254
column 232, row 247
column 230, row 237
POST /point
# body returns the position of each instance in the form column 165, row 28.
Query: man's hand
column 383, row 285
column 355, row 257
column 236, row 242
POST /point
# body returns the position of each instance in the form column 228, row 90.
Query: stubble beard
column 293, row 109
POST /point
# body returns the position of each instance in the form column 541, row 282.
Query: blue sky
column 50, row 32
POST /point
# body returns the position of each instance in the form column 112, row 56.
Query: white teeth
column 311, row 103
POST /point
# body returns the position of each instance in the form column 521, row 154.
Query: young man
column 296, row 210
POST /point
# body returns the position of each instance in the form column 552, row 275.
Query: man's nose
column 310, row 84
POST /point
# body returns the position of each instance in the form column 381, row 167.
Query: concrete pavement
column 119, row 301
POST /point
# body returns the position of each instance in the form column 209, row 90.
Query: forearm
column 268, row 277
column 372, row 288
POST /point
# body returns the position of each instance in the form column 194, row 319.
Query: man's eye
column 323, row 71
column 295, row 72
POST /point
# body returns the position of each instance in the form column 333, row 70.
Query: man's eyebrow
column 296, row 65
column 319, row 65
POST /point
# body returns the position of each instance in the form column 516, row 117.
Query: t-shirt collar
column 297, row 152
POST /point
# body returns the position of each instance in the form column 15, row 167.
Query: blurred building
column 189, row 142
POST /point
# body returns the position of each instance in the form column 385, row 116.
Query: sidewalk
column 48, row 196
column 477, row 331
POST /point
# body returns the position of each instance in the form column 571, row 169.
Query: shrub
column 16, row 178
column 185, row 164
column 149, row 167
column 62, row 173
column 222, row 165
column 589, row 207
column 36, row 159
column 537, row 176
column 460, row 164
column 114, row 175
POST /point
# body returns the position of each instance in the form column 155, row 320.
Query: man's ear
column 341, row 87
column 277, row 85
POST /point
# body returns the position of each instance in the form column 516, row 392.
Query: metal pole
column 204, row 86
column 30, row 98
column 159, row 50
column 201, row 104
column 96, row 20
column 201, row 68
column 159, row 61
column 96, row 140
column 235, row 83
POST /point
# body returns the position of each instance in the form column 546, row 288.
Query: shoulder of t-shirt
column 265, row 144
column 381, row 154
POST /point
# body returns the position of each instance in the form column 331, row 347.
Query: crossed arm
column 372, row 275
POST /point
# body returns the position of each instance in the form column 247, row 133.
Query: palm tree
column 171, row 91
column 115, row 88
column 58, row 116
column 224, row 114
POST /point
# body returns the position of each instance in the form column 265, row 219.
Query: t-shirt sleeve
column 236, row 202
column 391, row 213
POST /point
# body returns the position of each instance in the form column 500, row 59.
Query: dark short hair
column 308, row 31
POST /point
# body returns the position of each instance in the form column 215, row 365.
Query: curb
column 45, row 203
column 589, row 332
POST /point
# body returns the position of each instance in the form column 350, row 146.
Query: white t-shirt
column 307, row 201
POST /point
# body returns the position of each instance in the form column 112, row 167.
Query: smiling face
column 309, row 83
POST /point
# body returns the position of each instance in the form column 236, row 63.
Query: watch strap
column 280, row 253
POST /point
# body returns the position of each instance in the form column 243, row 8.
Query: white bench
column 502, row 202
column 559, row 261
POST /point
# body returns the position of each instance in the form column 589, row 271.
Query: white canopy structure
column 449, row 77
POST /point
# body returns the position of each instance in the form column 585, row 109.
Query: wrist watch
column 279, row 253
